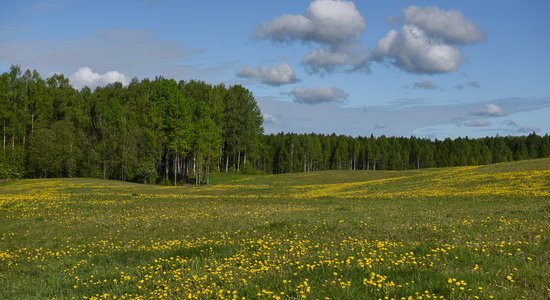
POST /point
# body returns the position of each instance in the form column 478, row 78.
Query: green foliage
column 7, row 170
column 145, row 132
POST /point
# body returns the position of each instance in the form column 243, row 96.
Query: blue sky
column 426, row 68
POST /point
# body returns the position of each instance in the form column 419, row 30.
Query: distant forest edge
column 161, row 130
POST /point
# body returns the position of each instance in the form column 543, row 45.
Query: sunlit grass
column 458, row 233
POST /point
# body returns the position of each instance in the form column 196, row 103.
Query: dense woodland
column 165, row 131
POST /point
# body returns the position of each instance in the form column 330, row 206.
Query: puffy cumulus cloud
column 327, row 22
column 415, row 52
column 333, row 24
column 428, row 42
column 269, row 119
column 451, row 26
column 322, row 61
column 86, row 77
column 491, row 110
column 318, row 95
column 477, row 123
column 274, row 76
column 425, row 85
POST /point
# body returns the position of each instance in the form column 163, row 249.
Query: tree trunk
column 220, row 160
column 195, row 164
column 166, row 166
column 368, row 163
column 227, row 164
column 244, row 160
column 4, row 149
column 197, row 176
column 239, row 161
column 186, row 164
column 176, row 168
column 207, row 171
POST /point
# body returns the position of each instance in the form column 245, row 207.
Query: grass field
column 456, row 233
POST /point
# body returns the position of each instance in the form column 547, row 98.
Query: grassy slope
column 343, row 234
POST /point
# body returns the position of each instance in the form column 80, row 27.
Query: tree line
column 165, row 131
column 283, row 153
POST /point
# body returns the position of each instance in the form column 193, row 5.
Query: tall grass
column 457, row 233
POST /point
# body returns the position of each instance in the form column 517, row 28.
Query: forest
column 169, row 132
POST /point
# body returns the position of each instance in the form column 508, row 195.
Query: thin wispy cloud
column 474, row 84
column 527, row 129
column 477, row 123
column 270, row 119
column 511, row 123
column 490, row 110
column 141, row 53
column 425, row 85
column 318, row 95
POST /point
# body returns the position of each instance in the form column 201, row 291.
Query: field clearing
column 453, row 233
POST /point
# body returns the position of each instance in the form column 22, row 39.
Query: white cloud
column 274, row 76
column 269, row 119
column 428, row 42
column 326, row 22
column 490, row 109
column 325, row 60
column 86, row 77
column 413, row 51
column 451, row 25
column 425, row 85
column 319, row 95
column 335, row 25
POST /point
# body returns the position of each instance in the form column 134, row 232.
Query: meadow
column 453, row 233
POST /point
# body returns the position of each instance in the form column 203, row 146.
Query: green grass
column 335, row 234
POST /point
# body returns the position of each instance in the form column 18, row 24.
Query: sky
column 431, row 69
